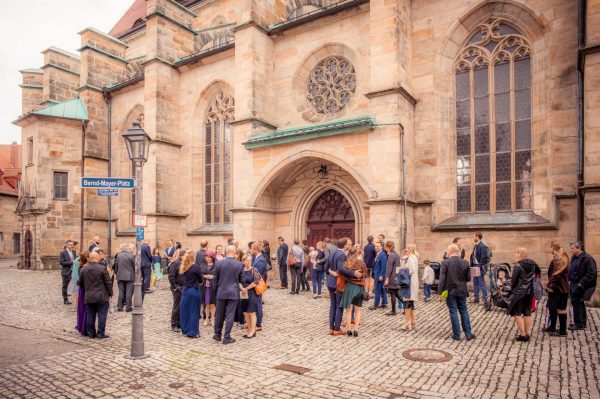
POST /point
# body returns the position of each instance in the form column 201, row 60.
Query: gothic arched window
column 217, row 160
column 493, row 121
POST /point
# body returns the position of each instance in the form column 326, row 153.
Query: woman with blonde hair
column 249, row 299
column 558, row 290
column 521, row 298
column 190, row 299
column 412, row 264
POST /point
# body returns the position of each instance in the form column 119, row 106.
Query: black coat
column 66, row 263
column 175, row 279
column 393, row 264
column 454, row 275
column 146, row 258
column 200, row 257
column 586, row 275
column 522, row 278
column 96, row 283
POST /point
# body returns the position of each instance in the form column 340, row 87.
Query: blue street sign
column 108, row 192
column 139, row 233
column 107, row 182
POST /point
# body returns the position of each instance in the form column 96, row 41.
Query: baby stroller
column 500, row 289
column 436, row 266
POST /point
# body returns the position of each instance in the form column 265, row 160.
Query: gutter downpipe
column 580, row 120
column 83, row 125
column 107, row 100
column 403, row 174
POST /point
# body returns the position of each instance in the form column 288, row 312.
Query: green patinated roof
column 311, row 131
column 71, row 109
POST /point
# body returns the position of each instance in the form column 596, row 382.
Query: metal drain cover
column 292, row 369
column 427, row 355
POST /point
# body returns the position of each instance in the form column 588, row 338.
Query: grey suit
column 228, row 275
column 125, row 278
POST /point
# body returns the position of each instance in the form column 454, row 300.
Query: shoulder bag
column 261, row 287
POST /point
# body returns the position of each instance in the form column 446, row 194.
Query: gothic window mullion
column 513, row 189
column 492, row 124
column 472, row 131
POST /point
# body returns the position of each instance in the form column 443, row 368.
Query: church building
column 423, row 120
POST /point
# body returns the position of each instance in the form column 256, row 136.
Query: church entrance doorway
column 330, row 216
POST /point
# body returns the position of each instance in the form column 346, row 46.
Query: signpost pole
column 137, row 325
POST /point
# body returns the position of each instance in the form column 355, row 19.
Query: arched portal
column 331, row 215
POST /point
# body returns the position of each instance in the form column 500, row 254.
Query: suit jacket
column 586, row 276
column 200, row 257
column 228, row 275
column 169, row 253
column 96, row 283
column 328, row 251
column 125, row 266
column 146, row 256
column 282, row 254
column 393, row 263
column 336, row 264
column 454, row 275
column 370, row 254
column 380, row 265
column 481, row 253
column 260, row 264
column 176, row 279
column 66, row 262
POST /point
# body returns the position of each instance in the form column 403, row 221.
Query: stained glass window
column 493, row 121
column 217, row 160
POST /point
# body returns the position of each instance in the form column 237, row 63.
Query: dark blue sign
column 107, row 182
column 108, row 192
column 139, row 233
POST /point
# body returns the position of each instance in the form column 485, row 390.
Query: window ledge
column 526, row 220
column 218, row 230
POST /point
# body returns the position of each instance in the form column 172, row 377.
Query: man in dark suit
column 369, row 258
column 125, row 276
column 227, row 278
column 67, row 258
column 260, row 264
column 582, row 276
column 479, row 258
column 379, row 270
column 201, row 253
column 170, row 251
column 282, row 254
column 146, row 263
column 94, row 279
column 454, row 275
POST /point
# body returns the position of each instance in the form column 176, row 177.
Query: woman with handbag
column 522, row 293
column 354, row 292
column 317, row 271
column 249, row 299
column 391, row 272
column 558, row 290
column 412, row 264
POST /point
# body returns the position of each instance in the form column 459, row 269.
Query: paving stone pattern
column 295, row 332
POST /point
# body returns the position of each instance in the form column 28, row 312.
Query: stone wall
column 61, row 75
column 31, row 89
column 9, row 224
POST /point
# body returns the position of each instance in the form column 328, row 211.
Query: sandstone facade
column 389, row 148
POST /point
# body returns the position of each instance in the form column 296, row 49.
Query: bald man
column 94, row 279
column 227, row 278
column 95, row 245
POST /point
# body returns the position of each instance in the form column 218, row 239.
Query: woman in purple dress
column 208, row 295
column 81, row 308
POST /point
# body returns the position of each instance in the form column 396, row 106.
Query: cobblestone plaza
column 295, row 333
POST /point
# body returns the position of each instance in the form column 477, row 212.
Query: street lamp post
column 138, row 144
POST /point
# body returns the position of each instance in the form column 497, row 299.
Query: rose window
column 331, row 85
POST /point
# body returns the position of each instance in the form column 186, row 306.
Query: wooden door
column 28, row 250
column 330, row 216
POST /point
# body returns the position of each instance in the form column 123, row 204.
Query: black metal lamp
column 138, row 143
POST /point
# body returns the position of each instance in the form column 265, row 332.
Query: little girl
column 428, row 278
column 157, row 266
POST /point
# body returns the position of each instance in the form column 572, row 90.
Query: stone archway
column 330, row 215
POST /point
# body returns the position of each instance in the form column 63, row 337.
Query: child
column 428, row 277
column 501, row 278
column 156, row 267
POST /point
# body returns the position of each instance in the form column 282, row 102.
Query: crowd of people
column 223, row 285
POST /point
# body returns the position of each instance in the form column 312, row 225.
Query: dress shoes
column 557, row 334
column 227, row 341
column 217, row 338
column 471, row 337
column 576, row 328
column 105, row 336
column 176, row 329
column 392, row 313
column 67, row 302
column 129, row 310
column 339, row 332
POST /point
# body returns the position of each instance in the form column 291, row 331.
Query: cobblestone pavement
column 295, row 332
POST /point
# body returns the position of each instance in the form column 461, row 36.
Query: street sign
column 108, row 192
column 139, row 233
column 107, row 182
column 140, row 220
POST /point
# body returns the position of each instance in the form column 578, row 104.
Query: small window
column 61, row 186
column 30, row 150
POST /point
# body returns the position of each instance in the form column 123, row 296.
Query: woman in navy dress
column 250, row 279
column 208, row 295
column 190, row 299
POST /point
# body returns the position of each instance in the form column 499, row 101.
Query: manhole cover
column 137, row 386
column 292, row 369
column 176, row 385
column 427, row 355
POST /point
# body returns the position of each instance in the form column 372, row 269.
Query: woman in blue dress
column 249, row 299
column 190, row 299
